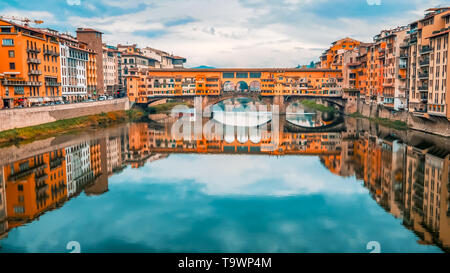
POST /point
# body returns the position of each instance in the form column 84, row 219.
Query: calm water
column 138, row 188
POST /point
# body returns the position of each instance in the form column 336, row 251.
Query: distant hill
column 204, row 67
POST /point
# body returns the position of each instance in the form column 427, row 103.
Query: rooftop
column 275, row 70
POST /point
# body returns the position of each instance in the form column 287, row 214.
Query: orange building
column 91, row 74
column 143, row 84
column 30, row 65
column 332, row 58
column 34, row 185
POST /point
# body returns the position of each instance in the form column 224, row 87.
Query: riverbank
column 436, row 125
column 33, row 116
column 165, row 107
column 319, row 107
column 394, row 124
column 32, row 133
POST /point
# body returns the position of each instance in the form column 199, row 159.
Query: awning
column 33, row 100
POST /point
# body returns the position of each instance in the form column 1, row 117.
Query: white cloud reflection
column 244, row 175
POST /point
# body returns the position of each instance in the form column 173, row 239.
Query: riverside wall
column 24, row 117
column 430, row 124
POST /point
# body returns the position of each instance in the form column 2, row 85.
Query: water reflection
column 406, row 173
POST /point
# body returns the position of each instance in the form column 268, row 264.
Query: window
column 228, row 75
column 20, row 187
column 7, row 42
column 19, row 209
column 6, row 29
column 12, row 66
column 11, row 54
column 255, row 75
column 242, row 75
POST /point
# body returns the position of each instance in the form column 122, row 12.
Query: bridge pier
column 278, row 100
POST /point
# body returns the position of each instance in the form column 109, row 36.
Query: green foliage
column 163, row 108
column 319, row 107
column 394, row 124
column 27, row 134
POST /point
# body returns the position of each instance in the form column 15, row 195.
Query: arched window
column 228, row 86
column 242, row 87
column 255, row 86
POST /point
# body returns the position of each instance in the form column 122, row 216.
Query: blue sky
column 232, row 33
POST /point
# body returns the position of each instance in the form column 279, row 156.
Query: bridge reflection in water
column 406, row 174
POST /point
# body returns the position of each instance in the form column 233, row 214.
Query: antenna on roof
column 24, row 20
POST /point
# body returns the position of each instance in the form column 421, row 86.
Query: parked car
column 110, row 98
column 102, row 98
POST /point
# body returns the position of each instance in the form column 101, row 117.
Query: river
column 312, row 183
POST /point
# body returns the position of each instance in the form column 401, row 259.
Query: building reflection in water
column 406, row 173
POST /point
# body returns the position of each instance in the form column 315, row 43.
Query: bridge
column 282, row 101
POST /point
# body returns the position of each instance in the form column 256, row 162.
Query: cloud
column 244, row 175
column 374, row 2
column 233, row 33
column 73, row 2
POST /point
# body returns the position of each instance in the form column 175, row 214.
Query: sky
column 227, row 33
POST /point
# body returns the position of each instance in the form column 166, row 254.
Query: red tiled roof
column 88, row 30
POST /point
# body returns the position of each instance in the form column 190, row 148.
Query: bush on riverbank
column 394, row 124
column 26, row 134
column 319, row 107
column 163, row 108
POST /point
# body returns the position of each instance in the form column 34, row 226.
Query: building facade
column 74, row 65
column 143, row 84
column 30, row 65
column 428, row 65
column 93, row 39
column 111, row 70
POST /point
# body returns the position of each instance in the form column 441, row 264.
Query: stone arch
column 242, row 86
column 228, row 86
column 255, row 86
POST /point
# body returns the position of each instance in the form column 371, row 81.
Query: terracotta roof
column 177, row 57
column 88, row 30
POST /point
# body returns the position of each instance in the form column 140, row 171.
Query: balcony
column 41, row 188
column 52, row 84
column 21, row 83
column 41, row 177
column 404, row 45
column 34, row 50
column 404, row 55
column 424, row 62
column 425, row 50
column 424, row 98
column 423, row 88
column 35, row 72
column 51, row 52
column 56, row 162
column 423, row 75
column 24, row 173
column 402, row 66
column 33, row 61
